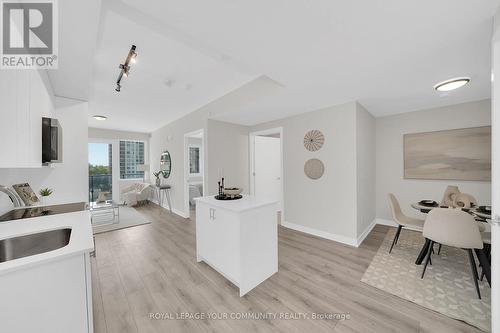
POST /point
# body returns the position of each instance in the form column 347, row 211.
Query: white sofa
column 136, row 193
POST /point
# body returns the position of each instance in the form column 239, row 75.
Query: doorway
column 266, row 167
column 194, row 179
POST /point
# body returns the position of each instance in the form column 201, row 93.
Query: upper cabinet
column 24, row 100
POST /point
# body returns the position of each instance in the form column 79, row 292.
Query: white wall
column 327, row 206
column 365, row 166
column 389, row 155
column 69, row 180
column 113, row 137
column 171, row 138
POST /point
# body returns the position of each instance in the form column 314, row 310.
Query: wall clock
column 313, row 140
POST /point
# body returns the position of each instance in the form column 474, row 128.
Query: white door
column 495, row 229
column 268, row 167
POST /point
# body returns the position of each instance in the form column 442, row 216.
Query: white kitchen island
column 238, row 238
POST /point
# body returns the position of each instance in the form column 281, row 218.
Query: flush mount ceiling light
column 452, row 84
column 97, row 117
column 125, row 67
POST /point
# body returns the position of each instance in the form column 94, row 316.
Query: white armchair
column 136, row 193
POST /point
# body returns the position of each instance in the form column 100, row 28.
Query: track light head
column 125, row 67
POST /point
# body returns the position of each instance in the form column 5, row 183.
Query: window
column 194, row 160
column 131, row 154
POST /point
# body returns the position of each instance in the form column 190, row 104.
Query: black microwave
column 51, row 141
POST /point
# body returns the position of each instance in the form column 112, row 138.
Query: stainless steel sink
column 28, row 245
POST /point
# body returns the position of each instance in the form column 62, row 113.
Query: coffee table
column 106, row 212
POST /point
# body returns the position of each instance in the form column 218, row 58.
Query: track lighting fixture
column 125, row 67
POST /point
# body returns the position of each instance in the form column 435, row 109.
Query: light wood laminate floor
column 152, row 269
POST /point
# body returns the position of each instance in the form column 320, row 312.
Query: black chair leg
column 439, row 249
column 396, row 237
column 485, row 264
column 474, row 271
column 429, row 252
column 423, row 252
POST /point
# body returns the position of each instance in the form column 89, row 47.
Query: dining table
column 479, row 215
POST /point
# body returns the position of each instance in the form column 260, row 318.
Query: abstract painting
column 459, row 154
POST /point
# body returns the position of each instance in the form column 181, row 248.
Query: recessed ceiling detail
column 343, row 52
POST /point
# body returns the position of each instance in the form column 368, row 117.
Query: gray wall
column 365, row 168
column 389, row 154
column 329, row 203
column 228, row 149
column 226, row 146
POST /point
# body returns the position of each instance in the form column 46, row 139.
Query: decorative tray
column 428, row 203
column 228, row 197
column 484, row 209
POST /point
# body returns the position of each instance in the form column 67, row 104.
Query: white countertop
column 81, row 239
column 239, row 205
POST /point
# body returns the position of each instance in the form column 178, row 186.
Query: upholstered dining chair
column 401, row 219
column 487, row 247
column 453, row 227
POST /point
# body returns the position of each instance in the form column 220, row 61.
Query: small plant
column 157, row 174
column 45, row 192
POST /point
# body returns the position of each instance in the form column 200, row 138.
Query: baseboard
column 319, row 233
column 365, row 233
column 179, row 212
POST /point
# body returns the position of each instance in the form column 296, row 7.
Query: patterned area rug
column 447, row 286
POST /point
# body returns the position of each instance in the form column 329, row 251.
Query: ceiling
column 78, row 22
column 385, row 54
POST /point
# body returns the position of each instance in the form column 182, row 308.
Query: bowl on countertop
column 232, row 191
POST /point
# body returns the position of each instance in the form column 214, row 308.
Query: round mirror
column 165, row 164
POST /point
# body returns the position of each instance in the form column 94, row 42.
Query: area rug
column 447, row 287
column 129, row 217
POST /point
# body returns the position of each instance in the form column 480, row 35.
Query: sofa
column 137, row 193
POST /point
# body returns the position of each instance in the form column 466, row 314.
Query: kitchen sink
column 28, row 245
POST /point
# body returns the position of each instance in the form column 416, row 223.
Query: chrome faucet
column 12, row 195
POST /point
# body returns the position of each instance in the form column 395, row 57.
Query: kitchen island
column 238, row 238
column 45, row 283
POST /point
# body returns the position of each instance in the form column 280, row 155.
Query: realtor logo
column 29, row 34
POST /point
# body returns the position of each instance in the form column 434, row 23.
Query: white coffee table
column 106, row 212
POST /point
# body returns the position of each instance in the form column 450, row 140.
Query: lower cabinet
column 242, row 245
column 48, row 297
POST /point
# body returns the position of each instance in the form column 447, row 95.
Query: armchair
column 136, row 193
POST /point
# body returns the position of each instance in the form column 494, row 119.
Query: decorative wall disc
column 313, row 140
column 314, row 168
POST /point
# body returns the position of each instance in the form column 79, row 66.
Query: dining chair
column 453, row 227
column 402, row 220
column 486, row 236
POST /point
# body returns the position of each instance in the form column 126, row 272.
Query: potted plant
column 157, row 175
column 45, row 192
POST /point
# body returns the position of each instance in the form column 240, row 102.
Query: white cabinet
column 47, row 298
column 24, row 99
column 238, row 239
